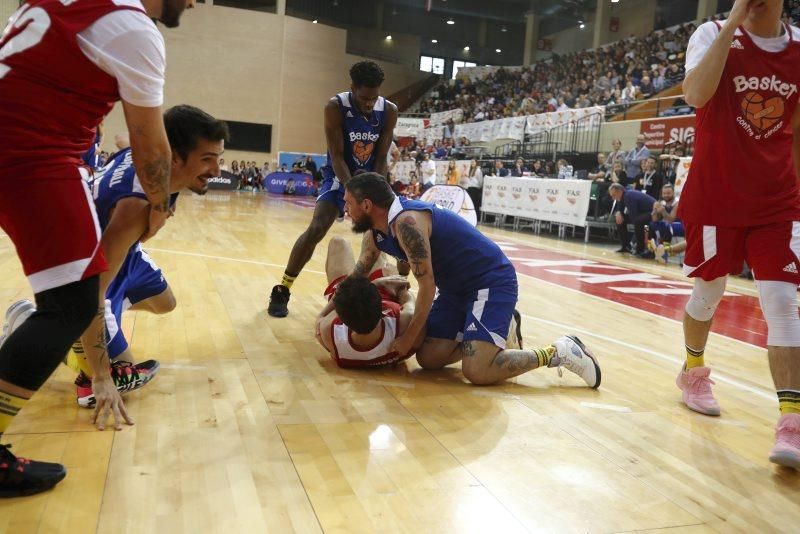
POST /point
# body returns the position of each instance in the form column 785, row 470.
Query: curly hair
column 366, row 74
column 358, row 304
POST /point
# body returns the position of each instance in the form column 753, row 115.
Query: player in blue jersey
column 133, row 281
column 473, row 319
column 359, row 125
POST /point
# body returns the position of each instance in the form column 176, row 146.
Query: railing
column 646, row 109
column 576, row 137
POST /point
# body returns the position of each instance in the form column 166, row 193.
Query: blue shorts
column 138, row 279
column 666, row 231
column 482, row 315
column 332, row 191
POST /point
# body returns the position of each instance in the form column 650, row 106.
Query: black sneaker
column 279, row 301
column 19, row 477
column 623, row 250
column 518, row 319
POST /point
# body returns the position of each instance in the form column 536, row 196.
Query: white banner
column 516, row 127
column 545, row 121
column 453, row 198
column 403, row 169
column 432, row 134
column 408, row 127
column 559, row 201
column 437, row 119
column 681, row 174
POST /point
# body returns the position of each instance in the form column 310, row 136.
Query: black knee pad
column 35, row 349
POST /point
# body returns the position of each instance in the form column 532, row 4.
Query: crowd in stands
column 616, row 74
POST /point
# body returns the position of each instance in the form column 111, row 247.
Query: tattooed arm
column 369, row 255
column 413, row 230
column 151, row 157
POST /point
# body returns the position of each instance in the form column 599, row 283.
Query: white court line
column 610, row 407
column 678, row 362
column 226, row 258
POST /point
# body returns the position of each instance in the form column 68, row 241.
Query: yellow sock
column 544, row 355
column 694, row 357
column 76, row 359
column 10, row 405
column 789, row 401
column 287, row 281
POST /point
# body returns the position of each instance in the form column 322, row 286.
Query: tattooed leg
column 484, row 363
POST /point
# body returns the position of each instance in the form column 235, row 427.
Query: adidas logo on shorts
column 737, row 44
column 379, row 238
column 791, row 268
column 472, row 328
column 349, row 114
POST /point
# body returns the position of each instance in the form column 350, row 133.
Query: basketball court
column 251, row 427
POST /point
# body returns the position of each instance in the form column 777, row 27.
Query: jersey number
column 38, row 22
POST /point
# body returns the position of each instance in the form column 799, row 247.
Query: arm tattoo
column 155, row 182
column 414, row 242
column 363, row 266
column 101, row 344
column 516, row 361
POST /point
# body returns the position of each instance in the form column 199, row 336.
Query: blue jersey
column 464, row 260
column 115, row 181
column 360, row 135
column 92, row 156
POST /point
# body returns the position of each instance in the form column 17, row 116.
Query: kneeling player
column 133, row 280
column 363, row 315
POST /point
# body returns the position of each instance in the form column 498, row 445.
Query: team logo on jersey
column 737, row 44
column 791, row 268
column 362, row 151
column 761, row 117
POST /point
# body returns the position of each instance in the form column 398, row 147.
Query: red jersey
column 742, row 173
column 347, row 354
column 52, row 97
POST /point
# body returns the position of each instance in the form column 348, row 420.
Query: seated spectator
column 646, row 88
column 650, row 180
column 537, row 169
column 499, row 169
column 632, row 207
column 519, row 168
column 675, row 74
column 618, row 176
column 283, row 168
column 413, row 189
column 600, row 172
column 664, row 225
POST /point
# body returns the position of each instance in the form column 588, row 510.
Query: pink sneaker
column 787, row 441
column 696, row 387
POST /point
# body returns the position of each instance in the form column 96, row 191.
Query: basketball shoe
column 16, row 314
column 662, row 254
column 279, row 301
column 696, row 386
column 127, row 377
column 19, row 476
column 514, row 339
column 573, row 354
column 786, row 451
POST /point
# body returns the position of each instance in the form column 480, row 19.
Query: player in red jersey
column 363, row 315
column 63, row 65
column 741, row 201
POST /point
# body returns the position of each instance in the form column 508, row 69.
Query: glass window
column 457, row 65
column 426, row 63
column 438, row 65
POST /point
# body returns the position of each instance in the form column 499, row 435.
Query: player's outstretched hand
column 393, row 284
column 158, row 218
column 108, row 402
column 402, row 345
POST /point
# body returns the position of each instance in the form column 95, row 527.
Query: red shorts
column 374, row 275
column 771, row 251
column 54, row 227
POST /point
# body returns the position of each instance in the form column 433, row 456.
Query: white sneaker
column 573, row 354
column 514, row 340
column 16, row 314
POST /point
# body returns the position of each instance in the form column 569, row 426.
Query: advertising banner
column 660, row 132
column 283, row 183
column 452, row 198
column 227, row 181
column 559, row 201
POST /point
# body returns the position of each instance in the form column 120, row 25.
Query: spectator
column 283, row 168
column 499, row 169
column 650, row 180
column 472, row 181
column 632, row 207
column 428, row 171
column 618, row 176
column 635, row 157
column 235, row 167
column 616, row 154
column 451, row 175
column 222, row 165
column 519, row 168
column 311, row 166
column 413, row 191
column 646, row 88
column 600, row 172
column 537, row 169
column 674, row 75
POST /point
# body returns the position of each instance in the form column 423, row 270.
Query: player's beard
column 171, row 12
column 362, row 224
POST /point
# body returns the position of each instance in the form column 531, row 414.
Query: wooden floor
column 250, row 428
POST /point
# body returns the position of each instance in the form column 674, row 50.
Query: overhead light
column 450, row 21
column 582, row 25
column 615, row 1
column 466, row 49
column 388, row 37
column 503, row 29
column 394, row 11
column 314, row 21
column 434, row 41
column 497, row 50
